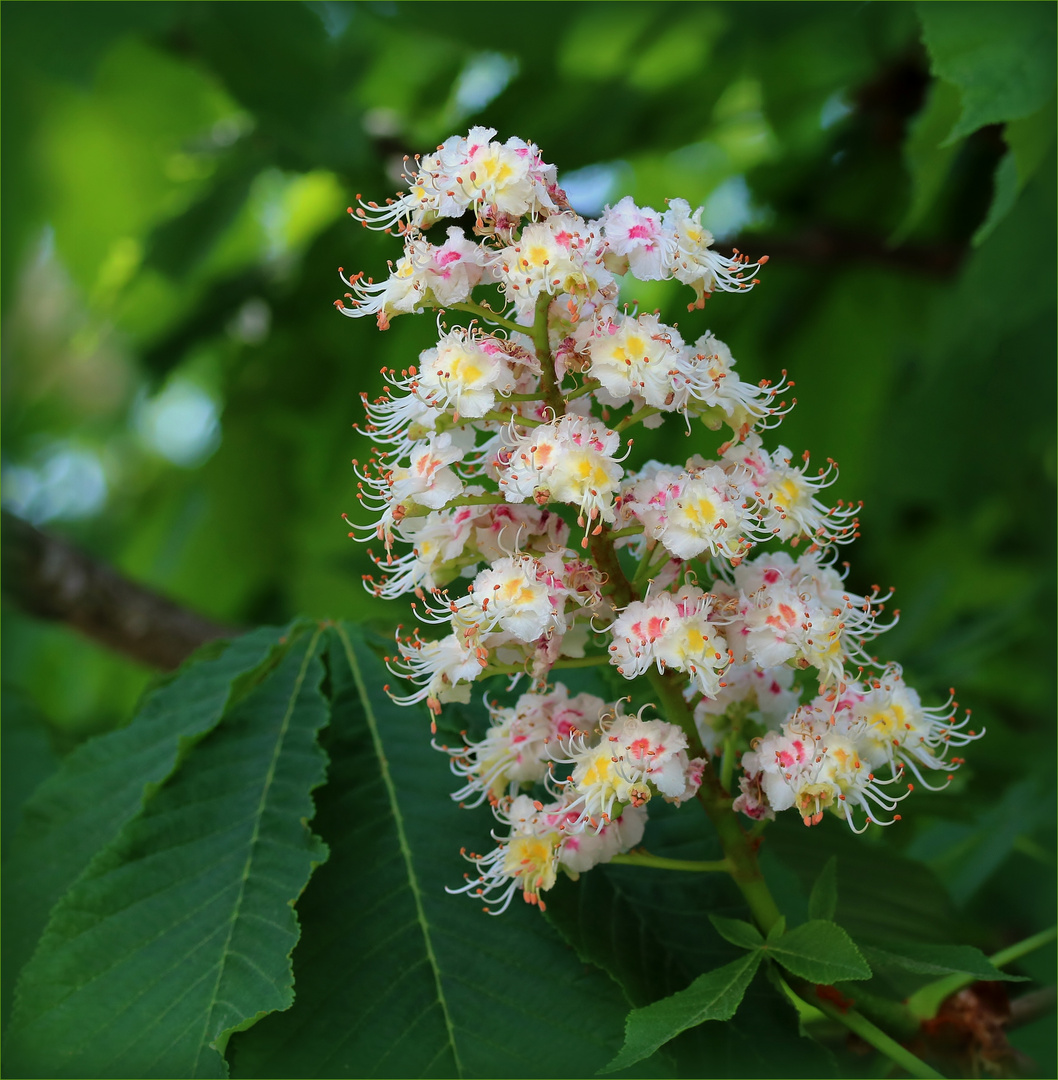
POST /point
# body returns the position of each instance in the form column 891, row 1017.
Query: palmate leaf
column 102, row 784
column 394, row 976
column 181, row 929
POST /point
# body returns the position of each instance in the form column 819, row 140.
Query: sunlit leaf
column 101, row 786
column 180, row 930
column 1001, row 56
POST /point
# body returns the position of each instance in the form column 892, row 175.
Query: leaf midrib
column 310, row 653
column 402, row 840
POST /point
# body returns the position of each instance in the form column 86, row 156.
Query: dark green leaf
column 743, row 934
column 28, row 758
column 933, row 959
column 1029, row 140
column 966, row 853
column 602, row 921
column 102, row 785
column 880, row 892
column 927, row 155
column 1006, row 194
column 819, row 951
column 1001, row 56
column 181, row 930
column 823, row 901
column 713, row 996
column 394, row 976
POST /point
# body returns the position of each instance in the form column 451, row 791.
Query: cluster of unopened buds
column 504, row 501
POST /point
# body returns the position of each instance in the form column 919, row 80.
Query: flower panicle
column 515, row 510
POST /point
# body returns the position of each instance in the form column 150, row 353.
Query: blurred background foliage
column 178, row 394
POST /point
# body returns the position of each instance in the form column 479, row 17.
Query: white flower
column 428, row 478
column 639, row 236
column 632, row 759
column 581, row 851
column 709, row 514
column 526, row 858
column 440, row 668
column 520, row 596
column 463, row 372
column 515, row 749
column 638, row 357
column 696, row 264
column 813, row 765
column 570, row 460
column 425, row 275
column 786, row 495
column 895, row 729
column 559, row 255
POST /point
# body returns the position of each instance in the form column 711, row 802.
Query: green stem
column 644, row 564
column 647, row 570
column 632, row 530
column 874, row 1036
column 587, row 388
column 414, row 509
column 927, row 1000
column 506, row 418
column 635, row 417
column 642, row 858
column 548, row 383
column 489, row 315
column 739, row 850
column 1023, row 948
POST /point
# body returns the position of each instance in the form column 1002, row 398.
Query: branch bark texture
column 52, row 579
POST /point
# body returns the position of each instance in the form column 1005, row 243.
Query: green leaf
column 27, row 761
column 103, row 784
column 881, row 893
column 743, row 934
column 1003, row 199
column 933, row 960
column 180, row 931
column 927, row 156
column 395, row 977
column 713, row 996
column 819, row 951
column 1000, row 56
column 966, row 853
column 823, row 901
column 610, row 930
column 1029, row 141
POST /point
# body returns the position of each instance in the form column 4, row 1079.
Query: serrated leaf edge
column 221, row 1039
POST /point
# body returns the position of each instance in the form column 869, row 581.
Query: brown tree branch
column 51, row 579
